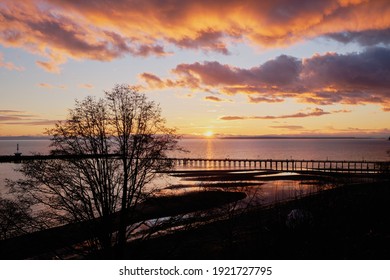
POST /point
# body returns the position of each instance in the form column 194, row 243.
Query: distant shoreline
column 238, row 137
column 21, row 138
column 293, row 137
column 288, row 138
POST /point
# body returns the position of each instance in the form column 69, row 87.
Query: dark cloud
column 354, row 78
column 9, row 118
column 364, row 38
column 208, row 40
column 367, row 69
column 65, row 34
column 281, row 71
column 32, row 123
column 16, row 117
column 216, row 99
column 315, row 112
column 232, row 118
column 149, row 50
column 262, row 99
column 290, row 127
column 212, row 74
column 312, row 113
column 10, row 111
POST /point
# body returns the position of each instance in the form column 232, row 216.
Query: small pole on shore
column 17, row 154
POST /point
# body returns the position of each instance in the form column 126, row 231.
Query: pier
column 288, row 165
column 338, row 166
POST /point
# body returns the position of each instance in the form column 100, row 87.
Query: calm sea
column 316, row 149
column 311, row 149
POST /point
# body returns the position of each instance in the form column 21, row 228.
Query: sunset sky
column 280, row 67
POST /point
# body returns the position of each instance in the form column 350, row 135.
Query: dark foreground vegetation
column 71, row 240
column 347, row 222
column 350, row 222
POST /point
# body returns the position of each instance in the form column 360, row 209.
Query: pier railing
column 265, row 164
column 289, row 165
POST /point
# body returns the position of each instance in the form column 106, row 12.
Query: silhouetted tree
column 102, row 188
column 15, row 218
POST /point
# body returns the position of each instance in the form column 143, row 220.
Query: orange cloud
column 50, row 86
column 86, row 86
column 57, row 34
column 355, row 78
column 207, row 24
column 216, row 99
column 105, row 30
column 49, row 66
column 152, row 80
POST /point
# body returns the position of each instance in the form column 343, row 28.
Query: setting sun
column 208, row 134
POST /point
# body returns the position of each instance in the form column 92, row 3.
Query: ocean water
column 309, row 149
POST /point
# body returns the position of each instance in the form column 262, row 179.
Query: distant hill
column 287, row 137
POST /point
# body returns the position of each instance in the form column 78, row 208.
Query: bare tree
column 15, row 218
column 100, row 186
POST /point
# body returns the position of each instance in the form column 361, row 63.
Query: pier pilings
column 363, row 167
column 287, row 165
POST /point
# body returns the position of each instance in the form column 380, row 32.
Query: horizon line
column 222, row 137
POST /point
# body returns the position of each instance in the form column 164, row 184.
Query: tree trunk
column 121, row 247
